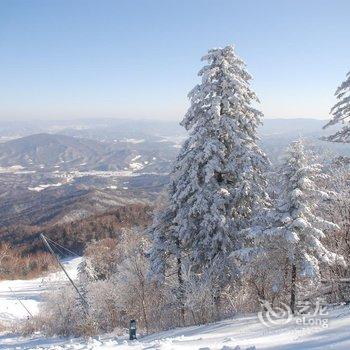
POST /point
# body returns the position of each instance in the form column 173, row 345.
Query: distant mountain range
column 294, row 127
column 148, row 146
column 61, row 152
column 111, row 129
column 276, row 134
column 57, row 173
column 48, row 149
column 97, row 129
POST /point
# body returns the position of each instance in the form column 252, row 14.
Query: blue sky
column 63, row 59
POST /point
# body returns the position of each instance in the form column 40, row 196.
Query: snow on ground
column 244, row 332
column 15, row 169
column 11, row 169
column 29, row 292
column 134, row 165
column 136, row 158
column 44, row 187
column 238, row 333
column 131, row 140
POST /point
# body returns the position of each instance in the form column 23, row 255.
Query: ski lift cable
column 57, row 249
column 59, row 245
column 83, row 300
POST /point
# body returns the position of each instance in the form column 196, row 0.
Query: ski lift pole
column 83, row 301
column 29, row 313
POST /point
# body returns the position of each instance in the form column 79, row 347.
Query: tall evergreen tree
column 218, row 183
column 341, row 113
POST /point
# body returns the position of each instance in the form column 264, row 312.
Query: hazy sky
column 134, row 58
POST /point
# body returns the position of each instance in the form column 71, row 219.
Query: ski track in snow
column 239, row 333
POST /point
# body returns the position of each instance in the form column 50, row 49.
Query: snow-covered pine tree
column 218, row 183
column 341, row 113
column 298, row 231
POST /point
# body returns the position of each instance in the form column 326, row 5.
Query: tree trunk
column 143, row 306
column 181, row 290
column 217, row 299
column 293, row 289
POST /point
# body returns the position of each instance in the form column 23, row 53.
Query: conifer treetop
column 341, row 113
column 223, row 92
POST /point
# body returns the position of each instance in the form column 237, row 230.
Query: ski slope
column 30, row 292
column 239, row 333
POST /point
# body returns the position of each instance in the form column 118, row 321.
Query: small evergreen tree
column 298, row 231
column 341, row 113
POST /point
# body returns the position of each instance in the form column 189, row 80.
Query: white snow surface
column 44, row 187
column 240, row 333
column 136, row 166
column 29, row 292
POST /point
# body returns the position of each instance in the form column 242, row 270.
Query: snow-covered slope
column 238, row 333
column 29, row 292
